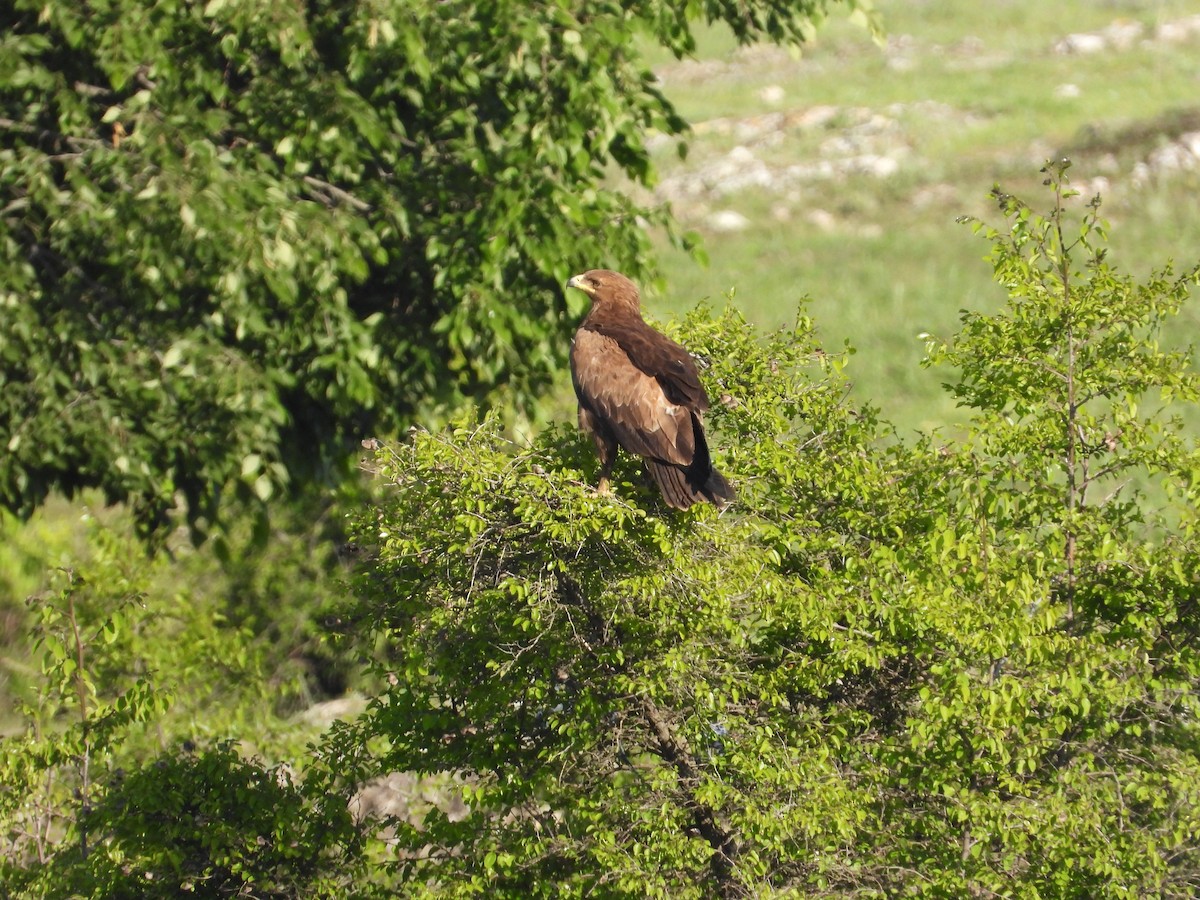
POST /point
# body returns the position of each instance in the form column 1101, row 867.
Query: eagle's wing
column 658, row 356
column 632, row 405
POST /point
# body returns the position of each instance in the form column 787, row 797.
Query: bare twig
column 331, row 192
column 84, row 722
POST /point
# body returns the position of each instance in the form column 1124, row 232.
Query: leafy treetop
column 957, row 670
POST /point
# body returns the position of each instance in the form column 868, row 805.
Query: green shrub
column 927, row 670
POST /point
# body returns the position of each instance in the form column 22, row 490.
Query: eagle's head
column 607, row 289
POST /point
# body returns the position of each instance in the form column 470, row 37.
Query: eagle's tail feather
column 673, row 484
column 681, row 486
column 717, row 489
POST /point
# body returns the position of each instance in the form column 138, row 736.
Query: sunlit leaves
column 1054, row 560
column 907, row 670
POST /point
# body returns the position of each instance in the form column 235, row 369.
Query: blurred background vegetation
column 838, row 174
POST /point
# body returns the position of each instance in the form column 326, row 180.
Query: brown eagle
column 640, row 390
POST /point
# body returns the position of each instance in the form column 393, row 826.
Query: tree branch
column 675, row 752
column 329, row 193
column 723, row 842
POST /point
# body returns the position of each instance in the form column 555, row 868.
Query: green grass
column 880, row 311
column 882, row 258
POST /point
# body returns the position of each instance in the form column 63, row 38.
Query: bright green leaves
column 1053, row 568
column 627, row 684
column 143, row 674
column 924, row 670
column 1077, row 396
column 234, row 235
column 927, row 670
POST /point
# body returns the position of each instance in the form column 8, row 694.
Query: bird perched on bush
column 640, row 390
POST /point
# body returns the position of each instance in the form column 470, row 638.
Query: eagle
column 640, row 390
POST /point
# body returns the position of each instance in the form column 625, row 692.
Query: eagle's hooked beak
column 576, row 281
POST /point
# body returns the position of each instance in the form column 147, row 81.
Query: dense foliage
column 157, row 675
column 966, row 669
column 949, row 668
column 236, row 235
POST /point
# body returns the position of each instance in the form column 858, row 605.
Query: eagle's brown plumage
column 640, row 390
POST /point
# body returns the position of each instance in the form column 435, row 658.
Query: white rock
column 1120, row 35
column 1171, row 158
column 816, row 116
column 1179, row 29
column 772, row 94
column 879, row 166
column 1081, row 43
column 327, row 712
column 822, row 218
column 1123, row 33
column 727, row 220
column 1097, row 185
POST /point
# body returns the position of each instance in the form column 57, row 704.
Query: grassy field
column 847, row 166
